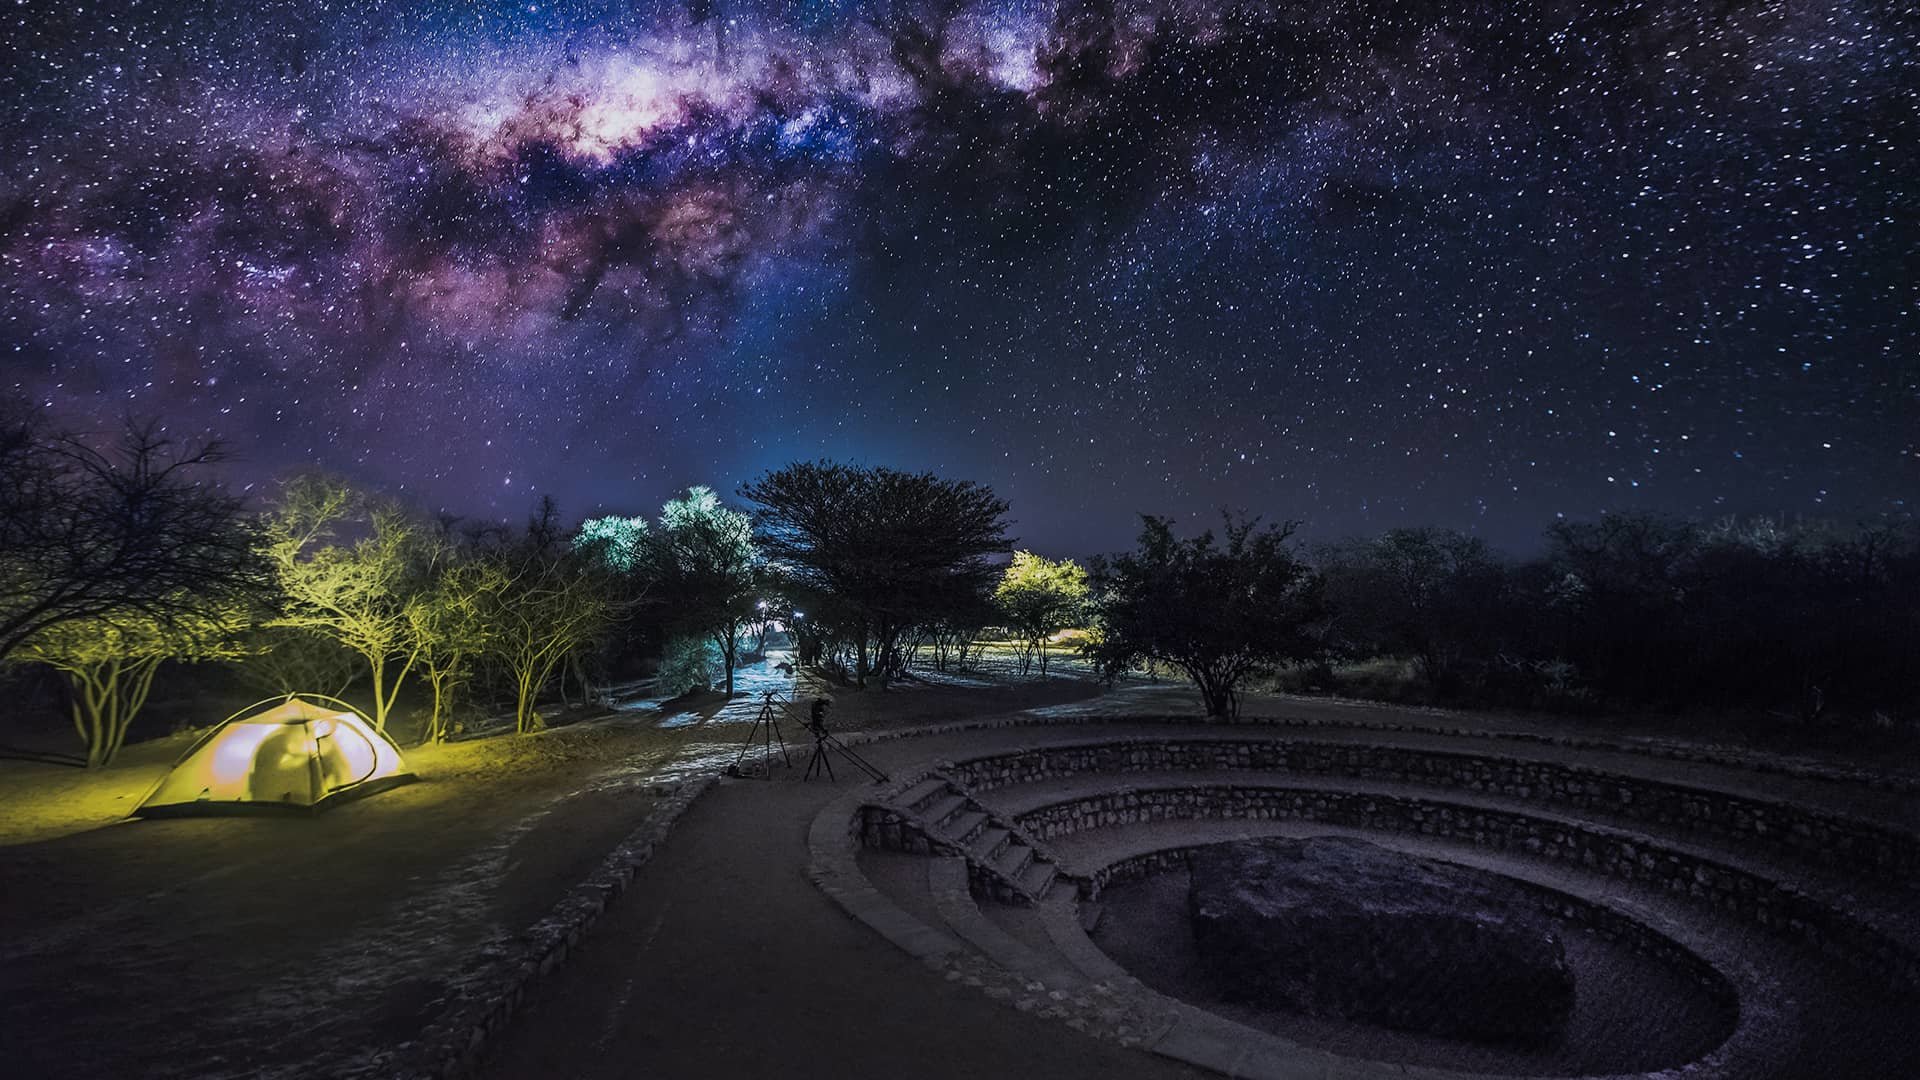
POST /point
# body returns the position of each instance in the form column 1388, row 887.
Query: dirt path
column 724, row 960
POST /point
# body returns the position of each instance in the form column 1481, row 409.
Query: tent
column 299, row 754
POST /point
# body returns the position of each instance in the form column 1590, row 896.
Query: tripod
column 822, row 740
column 764, row 732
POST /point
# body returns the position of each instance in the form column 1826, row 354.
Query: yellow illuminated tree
column 1039, row 597
column 452, row 625
column 549, row 605
column 352, row 569
column 110, row 664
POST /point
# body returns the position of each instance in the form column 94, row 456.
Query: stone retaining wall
column 1668, row 749
column 1623, row 856
column 1813, row 836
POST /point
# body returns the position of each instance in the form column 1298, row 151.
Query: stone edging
column 455, row 1045
column 1810, row 835
column 1752, row 762
column 1780, row 907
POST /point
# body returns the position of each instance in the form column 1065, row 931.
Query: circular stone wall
column 1633, row 1010
column 1721, row 926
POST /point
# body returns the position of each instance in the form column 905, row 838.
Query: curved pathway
column 726, row 961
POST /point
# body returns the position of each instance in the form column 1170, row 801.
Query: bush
column 688, row 663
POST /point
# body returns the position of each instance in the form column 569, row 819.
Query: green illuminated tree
column 352, row 569
column 620, row 543
column 1039, row 597
column 110, row 663
column 707, row 570
column 1217, row 611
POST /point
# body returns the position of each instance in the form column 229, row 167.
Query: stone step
column 986, row 846
column 947, row 881
column 921, row 792
column 965, row 824
column 943, row 807
column 1013, row 861
column 1089, row 913
column 1038, row 878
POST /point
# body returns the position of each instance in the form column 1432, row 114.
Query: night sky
column 1364, row 264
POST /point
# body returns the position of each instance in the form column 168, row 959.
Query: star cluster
column 1361, row 263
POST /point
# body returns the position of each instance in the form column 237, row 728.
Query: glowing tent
column 298, row 754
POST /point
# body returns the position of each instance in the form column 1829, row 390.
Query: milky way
column 1364, row 264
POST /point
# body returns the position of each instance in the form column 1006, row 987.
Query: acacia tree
column 708, row 570
column 549, row 607
column 1039, row 597
column 110, row 664
column 873, row 552
column 619, row 543
column 280, row 660
column 360, row 591
column 1437, row 595
column 554, row 598
column 1217, row 611
column 452, row 624
column 130, row 533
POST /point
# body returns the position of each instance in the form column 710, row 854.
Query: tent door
column 346, row 757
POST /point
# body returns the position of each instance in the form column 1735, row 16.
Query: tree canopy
column 1040, row 597
column 1219, row 610
column 352, row 569
column 707, row 570
column 131, row 533
column 873, row 552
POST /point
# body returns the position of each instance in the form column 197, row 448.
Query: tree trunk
column 379, row 672
column 523, row 700
column 1216, row 689
column 580, row 673
column 106, row 698
column 729, row 642
column 435, row 731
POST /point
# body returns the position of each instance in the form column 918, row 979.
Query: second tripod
column 824, row 741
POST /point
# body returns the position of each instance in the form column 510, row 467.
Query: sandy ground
column 281, row 946
column 242, row 946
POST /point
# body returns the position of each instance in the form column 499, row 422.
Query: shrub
column 688, row 663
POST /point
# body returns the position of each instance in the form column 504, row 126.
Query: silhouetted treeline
column 1809, row 619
